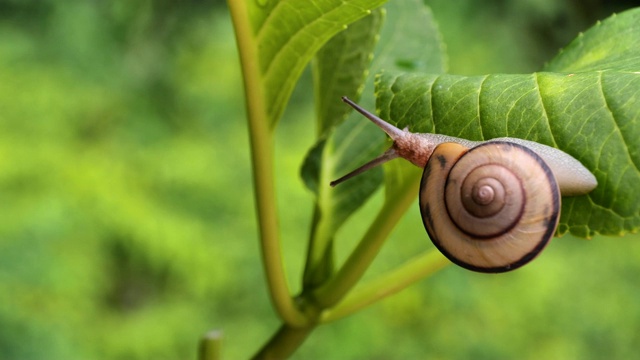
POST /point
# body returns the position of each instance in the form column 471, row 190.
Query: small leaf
column 609, row 45
column 409, row 26
column 289, row 36
column 310, row 171
column 341, row 67
column 343, row 155
column 340, row 70
column 410, row 40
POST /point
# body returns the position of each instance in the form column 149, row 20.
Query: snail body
column 488, row 206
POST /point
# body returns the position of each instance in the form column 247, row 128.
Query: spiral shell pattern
column 491, row 208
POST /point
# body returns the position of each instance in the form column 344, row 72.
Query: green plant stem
column 358, row 262
column 319, row 263
column 211, row 346
column 261, row 140
column 392, row 282
column 284, row 342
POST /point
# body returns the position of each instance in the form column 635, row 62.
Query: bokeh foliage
column 127, row 227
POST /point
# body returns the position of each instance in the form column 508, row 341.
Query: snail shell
column 488, row 206
column 499, row 208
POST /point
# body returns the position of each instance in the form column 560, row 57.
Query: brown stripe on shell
column 549, row 221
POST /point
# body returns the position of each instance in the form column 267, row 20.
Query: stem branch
column 358, row 262
column 211, row 346
column 283, row 343
column 392, row 282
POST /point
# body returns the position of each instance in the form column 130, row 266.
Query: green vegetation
column 128, row 227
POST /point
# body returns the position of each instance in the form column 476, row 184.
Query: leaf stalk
column 361, row 258
column 388, row 284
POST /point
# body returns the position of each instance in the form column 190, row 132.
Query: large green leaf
column 591, row 111
column 288, row 35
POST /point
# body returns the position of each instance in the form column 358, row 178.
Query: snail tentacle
column 388, row 155
column 416, row 148
column 393, row 132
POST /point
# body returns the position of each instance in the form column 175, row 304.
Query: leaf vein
column 545, row 113
column 479, row 107
column 625, row 141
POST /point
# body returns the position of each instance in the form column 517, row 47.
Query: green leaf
column 357, row 141
column 340, row 69
column 409, row 40
column 593, row 115
column 609, row 45
column 288, row 35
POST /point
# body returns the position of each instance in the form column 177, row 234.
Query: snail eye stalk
column 388, row 155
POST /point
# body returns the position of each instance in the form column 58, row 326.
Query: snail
column 488, row 206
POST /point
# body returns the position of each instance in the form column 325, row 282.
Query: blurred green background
column 127, row 227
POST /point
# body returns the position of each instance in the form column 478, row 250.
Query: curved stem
column 284, row 342
column 261, row 139
column 211, row 346
column 392, row 282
